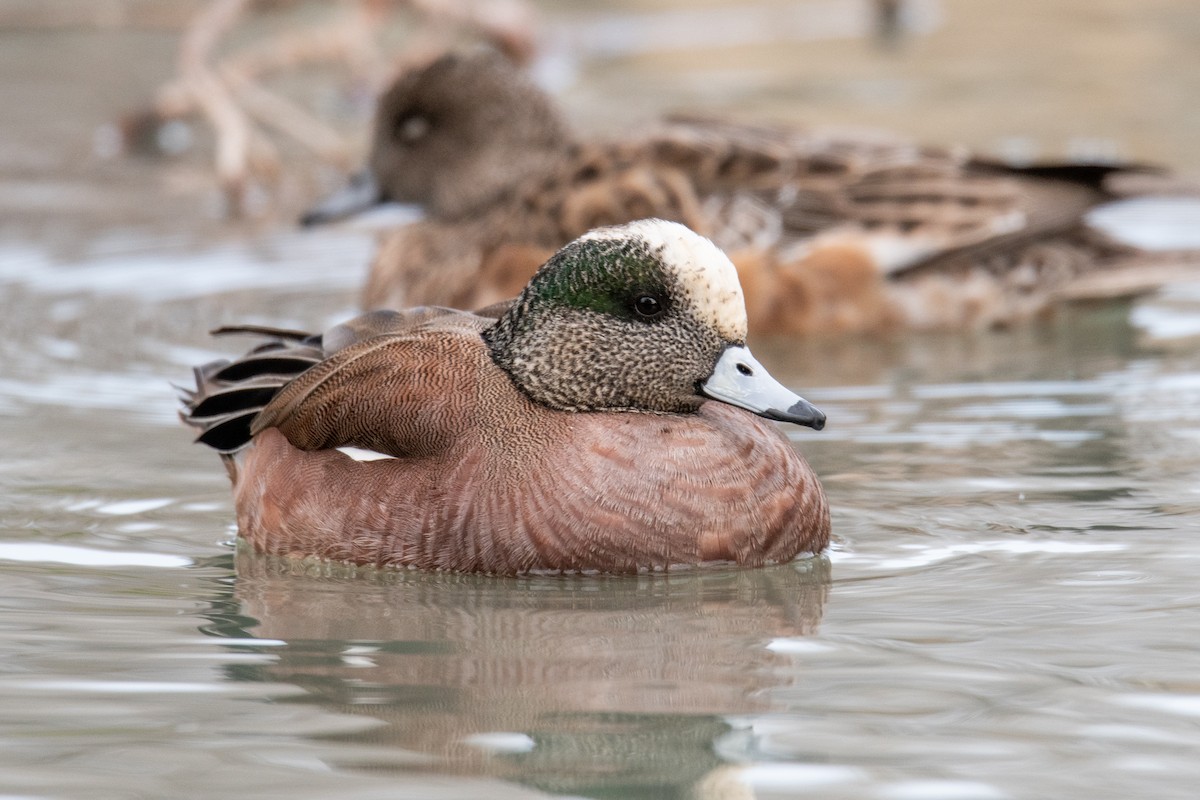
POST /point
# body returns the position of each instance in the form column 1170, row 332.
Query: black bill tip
column 800, row 413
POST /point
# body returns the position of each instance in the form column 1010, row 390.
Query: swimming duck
column 610, row 419
column 828, row 232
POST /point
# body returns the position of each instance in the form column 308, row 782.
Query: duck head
column 647, row 316
column 452, row 136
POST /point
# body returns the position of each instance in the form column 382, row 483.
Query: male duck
column 573, row 431
column 828, row 232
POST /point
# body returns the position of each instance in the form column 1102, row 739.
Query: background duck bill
column 360, row 194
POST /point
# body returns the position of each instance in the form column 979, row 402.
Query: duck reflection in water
column 614, row 681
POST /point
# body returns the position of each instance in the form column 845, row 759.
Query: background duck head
column 453, row 137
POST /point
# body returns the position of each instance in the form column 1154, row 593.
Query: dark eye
column 412, row 128
column 648, row 306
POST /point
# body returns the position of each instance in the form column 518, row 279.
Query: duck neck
column 508, row 339
column 497, row 176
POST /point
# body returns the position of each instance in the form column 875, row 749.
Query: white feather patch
column 1151, row 223
column 361, row 454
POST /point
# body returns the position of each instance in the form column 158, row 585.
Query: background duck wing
column 906, row 205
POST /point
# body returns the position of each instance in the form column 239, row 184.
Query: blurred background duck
column 829, row 232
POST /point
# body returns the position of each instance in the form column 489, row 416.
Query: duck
column 830, row 232
column 611, row 419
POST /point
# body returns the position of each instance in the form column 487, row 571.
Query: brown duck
column 604, row 421
column 828, row 233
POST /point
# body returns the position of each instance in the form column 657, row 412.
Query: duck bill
column 356, row 199
column 738, row 379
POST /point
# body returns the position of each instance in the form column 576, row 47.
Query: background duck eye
column 648, row 306
column 410, row 129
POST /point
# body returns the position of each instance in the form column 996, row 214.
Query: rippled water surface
column 1010, row 608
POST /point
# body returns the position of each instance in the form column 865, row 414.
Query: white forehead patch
column 706, row 277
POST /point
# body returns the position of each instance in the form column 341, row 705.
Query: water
column 1009, row 609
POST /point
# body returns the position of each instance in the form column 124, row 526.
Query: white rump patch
column 361, row 454
column 706, row 276
column 1151, row 223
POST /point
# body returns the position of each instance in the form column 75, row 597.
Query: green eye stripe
column 601, row 275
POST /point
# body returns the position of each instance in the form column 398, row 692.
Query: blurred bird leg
column 213, row 98
column 351, row 40
column 288, row 119
column 507, row 24
column 228, row 92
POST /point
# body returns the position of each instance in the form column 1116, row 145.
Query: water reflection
column 567, row 684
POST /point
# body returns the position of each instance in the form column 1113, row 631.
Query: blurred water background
column 1010, row 609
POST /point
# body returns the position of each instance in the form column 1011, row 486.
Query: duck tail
column 230, row 393
column 1157, row 242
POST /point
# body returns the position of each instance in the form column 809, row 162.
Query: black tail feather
column 229, row 394
column 237, row 398
column 286, row 334
column 231, row 433
column 285, row 366
column 1095, row 175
